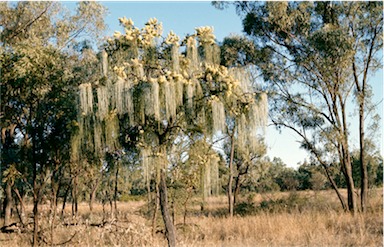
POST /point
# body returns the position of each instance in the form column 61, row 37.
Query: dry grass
column 279, row 219
column 296, row 229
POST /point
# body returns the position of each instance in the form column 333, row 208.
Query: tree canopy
column 316, row 57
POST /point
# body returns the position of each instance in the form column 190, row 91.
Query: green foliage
column 238, row 51
column 318, row 53
column 292, row 203
column 311, row 176
column 374, row 166
column 317, row 181
column 288, row 180
column 379, row 175
column 275, row 176
column 295, row 202
column 38, row 87
column 39, row 75
column 245, row 208
column 130, row 198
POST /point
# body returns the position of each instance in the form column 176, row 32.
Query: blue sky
column 183, row 18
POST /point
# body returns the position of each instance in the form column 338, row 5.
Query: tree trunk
column 65, row 199
column 230, row 180
column 237, row 189
column 352, row 205
column 8, row 204
column 22, row 206
column 361, row 90
column 111, row 207
column 346, row 162
column 36, row 196
column 116, row 187
column 363, row 164
column 154, row 216
column 334, row 187
column 74, row 198
column 92, row 196
column 18, row 211
column 203, row 188
column 148, row 195
column 157, row 202
column 35, row 223
column 169, row 227
column 189, row 195
column 173, row 210
column 2, row 207
column 55, row 189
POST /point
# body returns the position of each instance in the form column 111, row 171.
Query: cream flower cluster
column 168, row 76
column 126, row 22
column 119, row 70
column 214, row 98
column 131, row 32
column 160, row 79
column 205, row 35
column 216, row 72
column 172, row 39
column 190, row 41
column 152, row 29
column 117, row 34
column 136, row 63
column 220, row 74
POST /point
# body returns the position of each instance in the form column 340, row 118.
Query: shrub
column 128, row 198
column 245, row 208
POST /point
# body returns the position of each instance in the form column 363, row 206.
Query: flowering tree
column 156, row 95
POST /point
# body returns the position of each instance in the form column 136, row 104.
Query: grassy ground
column 278, row 219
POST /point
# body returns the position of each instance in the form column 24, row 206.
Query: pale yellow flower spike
column 205, row 35
column 117, row 34
column 126, row 22
column 172, row 39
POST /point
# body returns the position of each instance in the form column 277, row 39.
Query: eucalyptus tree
column 247, row 167
column 245, row 123
column 315, row 56
column 239, row 51
column 365, row 22
column 37, row 79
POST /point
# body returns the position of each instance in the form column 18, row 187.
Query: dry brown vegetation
column 279, row 219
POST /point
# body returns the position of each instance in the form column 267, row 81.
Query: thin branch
column 30, row 23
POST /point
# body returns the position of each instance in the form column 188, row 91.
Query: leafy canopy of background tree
column 316, row 56
column 38, row 71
